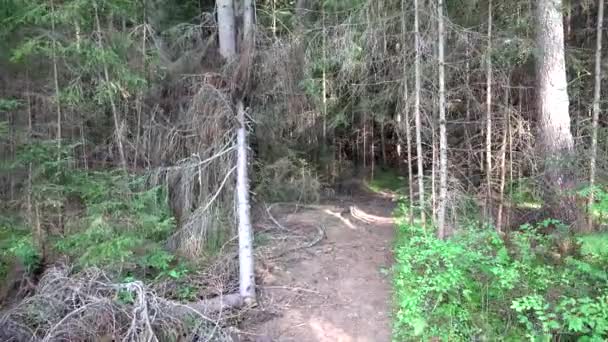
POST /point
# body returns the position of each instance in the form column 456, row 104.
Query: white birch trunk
column 246, row 258
column 226, row 28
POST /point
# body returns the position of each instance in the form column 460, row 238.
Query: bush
column 108, row 219
column 476, row 286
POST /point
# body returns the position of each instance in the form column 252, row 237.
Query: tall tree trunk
column 246, row 258
column 596, row 109
column 489, row 117
column 434, row 165
column 443, row 140
column 140, row 94
column 556, row 140
column 467, row 127
column 226, row 28
column 56, row 77
column 324, row 78
column 503, row 160
column 408, row 131
column 418, row 122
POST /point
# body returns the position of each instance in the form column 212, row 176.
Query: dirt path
column 338, row 290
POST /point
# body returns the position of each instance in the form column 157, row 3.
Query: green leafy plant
column 476, row 284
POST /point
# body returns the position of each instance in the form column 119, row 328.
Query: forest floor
column 338, row 290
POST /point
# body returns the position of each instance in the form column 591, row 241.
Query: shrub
column 475, row 286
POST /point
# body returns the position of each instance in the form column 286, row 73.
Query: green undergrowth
column 387, row 180
column 523, row 193
column 107, row 219
column 480, row 286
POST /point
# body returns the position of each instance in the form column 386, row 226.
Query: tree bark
column 467, row 128
column 596, row 109
column 489, row 117
column 556, row 141
column 408, row 132
column 56, row 78
column 246, row 257
column 226, row 28
column 418, row 123
column 503, row 161
column 443, row 140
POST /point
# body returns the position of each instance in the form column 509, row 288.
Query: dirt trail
column 338, row 290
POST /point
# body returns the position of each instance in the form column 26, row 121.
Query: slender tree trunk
column 434, row 164
column 246, row 258
column 117, row 121
column 382, row 142
column 467, row 128
column 418, row 122
column 489, row 117
column 56, row 78
column 408, row 131
column 365, row 141
column 226, row 28
column 509, row 212
column 443, row 140
column 324, row 78
column 274, row 19
column 408, row 139
column 556, row 138
column 596, row 110
column 140, row 95
column 30, row 128
column 372, row 152
column 503, row 161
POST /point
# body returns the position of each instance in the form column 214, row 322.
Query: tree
column 489, row 116
column 239, row 89
column 443, row 140
column 408, row 131
column 596, row 106
column 556, row 141
column 418, row 122
column 226, row 28
column 246, row 258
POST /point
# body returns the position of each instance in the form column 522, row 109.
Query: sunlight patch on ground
column 327, row 332
column 369, row 218
column 339, row 216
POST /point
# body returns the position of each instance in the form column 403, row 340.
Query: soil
column 338, row 290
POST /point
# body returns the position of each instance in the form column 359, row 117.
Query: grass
column 594, row 244
column 388, row 180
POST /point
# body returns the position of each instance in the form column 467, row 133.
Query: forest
column 303, row 170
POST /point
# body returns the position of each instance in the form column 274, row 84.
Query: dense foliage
column 110, row 219
column 541, row 283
